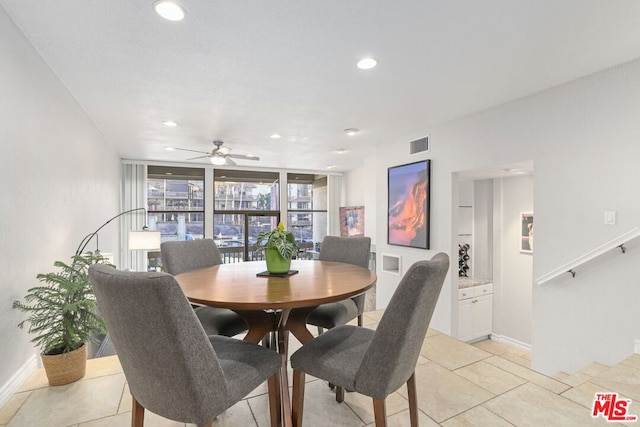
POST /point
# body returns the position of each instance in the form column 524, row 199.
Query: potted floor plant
column 62, row 317
column 279, row 247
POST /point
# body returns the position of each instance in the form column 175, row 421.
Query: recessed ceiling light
column 170, row 123
column 169, row 10
column 367, row 63
column 275, row 136
column 332, row 166
column 168, row 173
column 170, row 149
column 351, row 131
column 340, row 151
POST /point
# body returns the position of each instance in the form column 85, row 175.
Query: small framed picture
column 526, row 232
column 352, row 221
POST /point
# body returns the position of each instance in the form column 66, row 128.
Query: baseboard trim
column 510, row 342
column 9, row 388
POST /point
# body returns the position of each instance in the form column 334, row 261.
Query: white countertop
column 468, row 282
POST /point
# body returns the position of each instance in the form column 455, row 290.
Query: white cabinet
column 475, row 312
column 465, row 320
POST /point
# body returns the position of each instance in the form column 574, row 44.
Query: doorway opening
column 495, row 257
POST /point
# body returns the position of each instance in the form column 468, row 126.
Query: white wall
column 361, row 191
column 513, row 270
column 584, row 140
column 397, row 154
column 60, row 181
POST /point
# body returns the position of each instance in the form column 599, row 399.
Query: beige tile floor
column 486, row 384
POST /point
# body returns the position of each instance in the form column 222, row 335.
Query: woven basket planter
column 65, row 368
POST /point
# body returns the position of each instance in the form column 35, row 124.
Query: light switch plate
column 609, row 217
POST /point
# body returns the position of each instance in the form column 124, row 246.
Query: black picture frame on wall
column 408, row 203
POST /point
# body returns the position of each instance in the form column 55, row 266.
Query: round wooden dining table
column 271, row 304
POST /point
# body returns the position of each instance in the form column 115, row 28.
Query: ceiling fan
column 220, row 155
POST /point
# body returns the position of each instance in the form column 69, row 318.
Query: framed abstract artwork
column 408, row 205
column 526, row 233
column 352, row 221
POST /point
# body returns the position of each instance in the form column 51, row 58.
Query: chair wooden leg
column 413, row 400
column 339, row 394
column 274, row 399
column 298, row 397
column 287, row 417
column 360, row 320
column 380, row 413
column 137, row 414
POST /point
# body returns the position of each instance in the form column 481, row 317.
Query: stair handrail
column 570, row 266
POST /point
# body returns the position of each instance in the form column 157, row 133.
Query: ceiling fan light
column 218, row 161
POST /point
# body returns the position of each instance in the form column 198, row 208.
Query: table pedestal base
column 272, row 328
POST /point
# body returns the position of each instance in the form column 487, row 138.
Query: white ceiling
column 239, row 70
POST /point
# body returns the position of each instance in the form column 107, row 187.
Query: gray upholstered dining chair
column 351, row 250
column 376, row 363
column 176, row 370
column 181, row 256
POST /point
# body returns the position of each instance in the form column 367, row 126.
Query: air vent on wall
column 419, row 145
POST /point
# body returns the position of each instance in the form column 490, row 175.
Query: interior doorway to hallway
column 495, row 256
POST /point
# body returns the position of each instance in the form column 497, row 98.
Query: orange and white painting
column 408, row 217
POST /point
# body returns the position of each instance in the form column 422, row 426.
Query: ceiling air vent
column 419, row 145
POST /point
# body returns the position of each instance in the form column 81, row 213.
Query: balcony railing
column 230, row 254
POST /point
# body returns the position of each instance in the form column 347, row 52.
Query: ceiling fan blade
column 223, row 150
column 193, row 151
column 229, row 162
column 199, row 157
column 244, row 157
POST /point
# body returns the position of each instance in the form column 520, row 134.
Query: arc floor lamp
column 138, row 240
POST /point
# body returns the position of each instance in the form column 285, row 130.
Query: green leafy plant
column 62, row 312
column 280, row 239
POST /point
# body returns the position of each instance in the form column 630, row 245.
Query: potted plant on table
column 279, row 247
column 63, row 318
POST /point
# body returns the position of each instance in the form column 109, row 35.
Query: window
column 245, row 203
column 175, row 202
column 307, row 209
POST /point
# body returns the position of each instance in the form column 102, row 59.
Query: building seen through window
column 307, row 209
column 245, row 203
column 175, row 202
